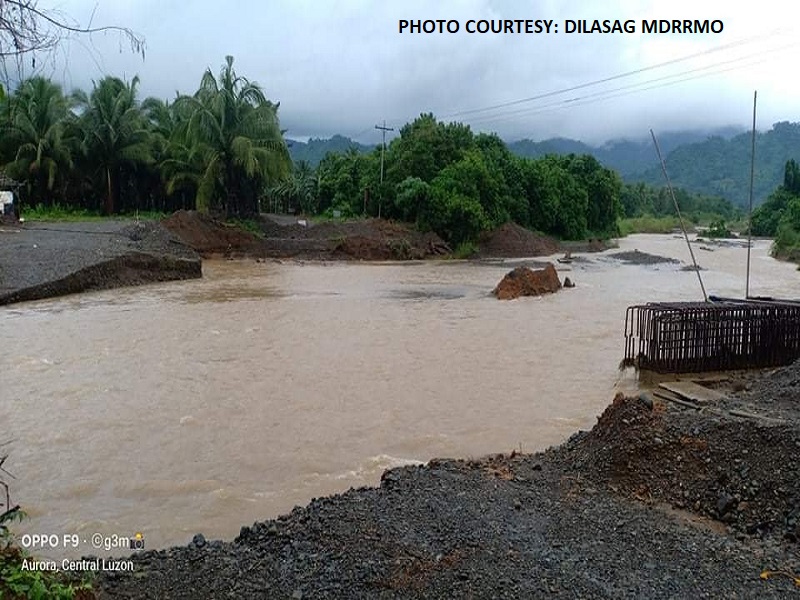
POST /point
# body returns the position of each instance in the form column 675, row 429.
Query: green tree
column 116, row 138
column 603, row 192
column 299, row 191
column 425, row 147
column 768, row 217
column 791, row 177
column 412, row 195
column 235, row 131
column 507, row 170
column 38, row 142
column 558, row 204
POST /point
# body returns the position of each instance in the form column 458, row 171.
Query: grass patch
column 57, row 212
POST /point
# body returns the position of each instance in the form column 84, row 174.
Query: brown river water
column 203, row 406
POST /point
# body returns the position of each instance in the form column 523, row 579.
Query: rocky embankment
column 658, row 500
column 41, row 260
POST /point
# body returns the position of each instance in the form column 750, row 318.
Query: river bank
column 656, row 501
column 185, row 363
column 47, row 259
column 43, row 260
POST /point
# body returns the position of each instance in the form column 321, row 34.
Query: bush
column 341, row 210
column 465, row 250
column 718, row 229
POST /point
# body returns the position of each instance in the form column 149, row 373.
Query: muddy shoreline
column 44, row 260
column 658, row 500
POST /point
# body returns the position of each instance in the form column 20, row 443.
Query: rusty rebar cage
column 691, row 337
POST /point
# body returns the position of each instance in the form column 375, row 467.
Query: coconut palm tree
column 234, row 133
column 117, row 139
column 300, row 189
column 37, row 141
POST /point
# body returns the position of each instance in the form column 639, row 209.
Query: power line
column 613, row 92
column 611, row 78
column 708, row 70
column 568, row 104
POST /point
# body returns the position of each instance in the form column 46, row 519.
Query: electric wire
column 573, row 88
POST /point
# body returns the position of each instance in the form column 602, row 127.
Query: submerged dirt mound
column 514, row 241
column 740, row 472
column 210, row 237
column 635, row 257
column 523, row 281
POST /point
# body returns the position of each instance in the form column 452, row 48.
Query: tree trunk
column 110, row 197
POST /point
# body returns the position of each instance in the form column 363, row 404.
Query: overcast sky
column 342, row 67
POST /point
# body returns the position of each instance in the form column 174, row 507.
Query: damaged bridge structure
column 718, row 335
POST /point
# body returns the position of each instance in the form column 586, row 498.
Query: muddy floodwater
column 203, row 406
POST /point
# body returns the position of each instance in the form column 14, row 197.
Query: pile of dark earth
column 635, row 257
column 41, row 260
column 656, row 501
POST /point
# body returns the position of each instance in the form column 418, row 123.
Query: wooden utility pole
column 383, row 129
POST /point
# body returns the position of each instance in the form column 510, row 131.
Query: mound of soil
column 523, row 281
column 210, row 237
column 635, row 257
column 743, row 473
column 362, row 239
column 514, row 241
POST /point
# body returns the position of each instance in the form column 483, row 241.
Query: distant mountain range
column 628, row 157
column 315, row 149
column 714, row 162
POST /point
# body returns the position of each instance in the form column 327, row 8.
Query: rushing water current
column 203, row 406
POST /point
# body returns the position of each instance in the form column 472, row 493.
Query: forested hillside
column 629, row 158
column 721, row 167
column 315, row 149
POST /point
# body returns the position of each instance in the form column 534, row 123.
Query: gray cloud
column 342, row 67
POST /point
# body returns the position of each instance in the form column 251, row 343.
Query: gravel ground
column 601, row 516
column 40, row 260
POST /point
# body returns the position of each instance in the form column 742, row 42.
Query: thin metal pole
column 680, row 217
column 750, row 217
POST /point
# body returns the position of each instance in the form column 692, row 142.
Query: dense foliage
column 445, row 178
column 779, row 216
column 639, row 200
column 219, row 149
